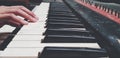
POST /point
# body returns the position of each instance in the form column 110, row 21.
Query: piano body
column 68, row 29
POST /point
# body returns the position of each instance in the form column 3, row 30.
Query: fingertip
column 25, row 23
column 37, row 18
column 34, row 20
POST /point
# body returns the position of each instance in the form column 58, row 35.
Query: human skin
column 9, row 15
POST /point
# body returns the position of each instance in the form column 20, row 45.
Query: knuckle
column 11, row 15
column 16, row 10
column 13, row 10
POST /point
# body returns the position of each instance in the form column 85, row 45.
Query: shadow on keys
column 14, row 2
column 27, row 3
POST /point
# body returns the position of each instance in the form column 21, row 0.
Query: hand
column 9, row 15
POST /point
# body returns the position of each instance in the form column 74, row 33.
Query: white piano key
column 119, row 41
column 44, row 7
column 7, row 28
column 39, row 11
column 32, row 31
column 34, row 25
column 35, row 8
column 1, row 52
column 18, row 53
column 24, row 44
column 39, row 14
column 38, row 44
column 43, row 19
column 33, row 28
column 21, row 53
column 89, row 45
column 38, row 27
column 42, row 11
column 28, row 37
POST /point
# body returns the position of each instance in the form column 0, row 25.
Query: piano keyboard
column 58, row 33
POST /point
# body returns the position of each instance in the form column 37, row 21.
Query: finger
column 19, row 20
column 13, row 23
column 25, row 10
column 24, row 14
column 13, row 17
column 28, row 11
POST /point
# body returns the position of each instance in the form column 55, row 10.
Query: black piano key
column 61, row 15
column 67, row 31
column 68, row 39
column 62, row 6
column 56, row 11
column 63, row 25
column 54, row 7
column 67, row 21
column 63, row 18
column 70, row 52
column 59, row 6
column 59, row 10
column 62, row 22
column 62, row 9
column 57, row 3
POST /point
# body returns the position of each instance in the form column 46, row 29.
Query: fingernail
column 34, row 20
column 25, row 23
column 37, row 18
